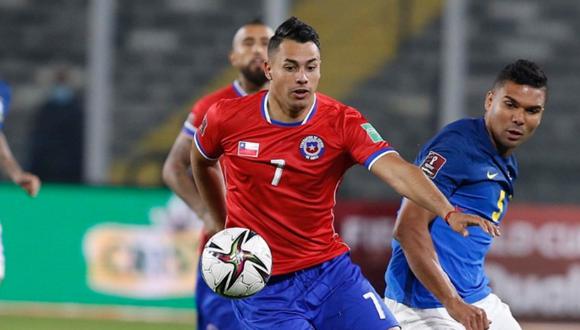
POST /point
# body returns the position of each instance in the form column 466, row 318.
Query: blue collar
column 266, row 113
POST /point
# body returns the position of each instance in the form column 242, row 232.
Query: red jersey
column 202, row 105
column 282, row 178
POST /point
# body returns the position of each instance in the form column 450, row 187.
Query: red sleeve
column 195, row 118
column 198, row 111
column 208, row 137
column 362, row 140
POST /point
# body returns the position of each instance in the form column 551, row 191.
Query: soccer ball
column 236, row 263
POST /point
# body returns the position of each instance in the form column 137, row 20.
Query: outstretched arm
column 412, row 232
column 409, row 181
column 29, row 182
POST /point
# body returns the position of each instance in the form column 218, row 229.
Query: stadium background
column 408, row 65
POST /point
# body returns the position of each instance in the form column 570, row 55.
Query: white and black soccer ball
column 236, row 262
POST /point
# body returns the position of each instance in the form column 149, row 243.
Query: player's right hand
column 460, row 221
column 210, row 226
column 471, row 317
column 29, row 182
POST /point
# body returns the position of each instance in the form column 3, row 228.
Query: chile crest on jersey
column 312, row 147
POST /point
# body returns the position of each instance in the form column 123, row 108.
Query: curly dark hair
column 522, row 72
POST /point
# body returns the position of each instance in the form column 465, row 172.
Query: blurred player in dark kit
column 29, row 182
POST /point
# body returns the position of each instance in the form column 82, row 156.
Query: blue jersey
column 4, row 102
column 465, row 165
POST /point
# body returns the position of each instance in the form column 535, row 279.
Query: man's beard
column 256, row 77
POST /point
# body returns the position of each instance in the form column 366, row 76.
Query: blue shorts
column 213, row 311
column 333, row 295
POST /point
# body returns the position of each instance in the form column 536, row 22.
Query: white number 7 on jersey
column 371, row 296
column 279, row 168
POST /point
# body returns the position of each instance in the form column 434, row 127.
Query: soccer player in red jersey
column 284, row 153
column 249, row 51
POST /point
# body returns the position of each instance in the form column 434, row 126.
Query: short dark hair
column 255, row 21
column 293, row 29
column 522, row 72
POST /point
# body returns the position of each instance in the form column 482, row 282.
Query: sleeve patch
column 372, row 132
column 432, row 164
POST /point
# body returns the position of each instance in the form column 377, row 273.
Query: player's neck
column 286, row 113
column 505, row 152
column 502, row 150
column 248, row 86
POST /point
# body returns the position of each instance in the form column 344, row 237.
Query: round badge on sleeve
column 312, row 147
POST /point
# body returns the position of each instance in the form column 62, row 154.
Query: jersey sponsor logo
column 248, row 149
column 312, row 147
column 372, row 132
column 432, row 164
column 491, row 175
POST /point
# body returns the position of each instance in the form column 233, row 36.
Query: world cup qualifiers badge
column 312, row 147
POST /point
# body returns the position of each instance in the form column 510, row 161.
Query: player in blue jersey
column 436, row 278
column 29, row 182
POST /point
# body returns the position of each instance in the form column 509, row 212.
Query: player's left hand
column 29, row 182
column 460, row 221
column 471, row 317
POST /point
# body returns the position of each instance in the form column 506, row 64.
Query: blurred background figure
column 9, row 165
column 56, row 146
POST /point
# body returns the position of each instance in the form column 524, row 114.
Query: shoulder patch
column 372, row 132
column 432, row 164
